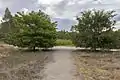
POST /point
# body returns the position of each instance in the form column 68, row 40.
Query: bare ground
column 51, row 65
column 62, row 66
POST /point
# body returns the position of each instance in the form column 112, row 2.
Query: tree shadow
column 95, row 51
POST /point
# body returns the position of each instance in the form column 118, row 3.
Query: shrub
column 61, row 42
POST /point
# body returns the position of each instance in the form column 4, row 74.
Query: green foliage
column 63, row 42
column 7, row 15
column 6, row 24
column 64, row 38
column 63, row 35
column 32, row 30
column 95, row 30
column 116, row 39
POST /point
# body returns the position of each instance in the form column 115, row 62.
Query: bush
column 61, row 42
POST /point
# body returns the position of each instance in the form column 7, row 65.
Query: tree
column 116, row 39
column 64, row 35
column 32, row 30
column 6, row 23
column 94, row 29
column 7, row 15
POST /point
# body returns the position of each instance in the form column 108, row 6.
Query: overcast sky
column 63, row 11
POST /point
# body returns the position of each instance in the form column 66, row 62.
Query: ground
column 62, row 63
column 62, row 66
column 22, row 65
column 98, row 65
column 49, row 65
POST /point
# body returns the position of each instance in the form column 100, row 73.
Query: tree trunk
column 34, row 48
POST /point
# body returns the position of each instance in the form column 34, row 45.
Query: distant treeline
column 65, row 35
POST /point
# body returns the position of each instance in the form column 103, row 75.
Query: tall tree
column 32, row 30
column 94, row 29
column 7, row 22
column 7, row 15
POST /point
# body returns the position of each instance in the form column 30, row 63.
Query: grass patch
column 61, row 42
column 98, row 66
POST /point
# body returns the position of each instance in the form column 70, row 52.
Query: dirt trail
column 61, row 68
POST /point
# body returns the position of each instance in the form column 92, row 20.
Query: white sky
column 64, row 10
column 49, row 1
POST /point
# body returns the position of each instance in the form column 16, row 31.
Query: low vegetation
column 22, row 65
column 63, row 42
column 98, row 65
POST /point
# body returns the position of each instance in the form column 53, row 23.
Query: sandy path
column 61, row 68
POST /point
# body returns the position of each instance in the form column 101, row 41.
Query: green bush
column 61, row 42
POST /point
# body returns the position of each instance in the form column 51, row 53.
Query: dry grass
column 5, row 50
column 22, row 65
column 99, row 65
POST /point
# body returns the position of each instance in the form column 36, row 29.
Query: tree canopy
column 95, row 30
column 6, row 23
column 32, row 30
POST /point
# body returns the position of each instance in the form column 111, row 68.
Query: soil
column 61, row 68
